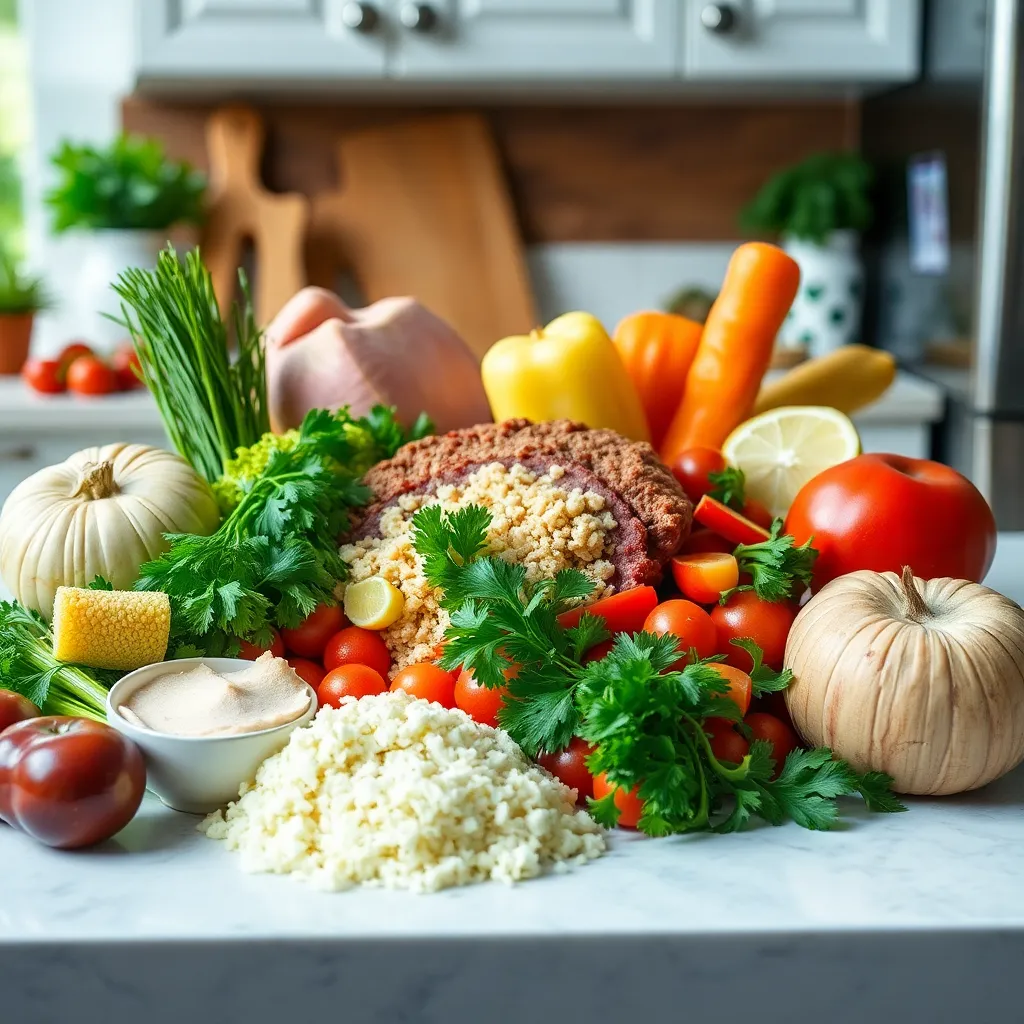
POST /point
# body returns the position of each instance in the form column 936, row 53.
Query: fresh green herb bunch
column 274, row 558
column 128, row 185
column 20, row 292
column 826, row 192
column 210, row 405
column 644, row 714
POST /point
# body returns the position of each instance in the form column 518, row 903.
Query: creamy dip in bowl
column 205, row 725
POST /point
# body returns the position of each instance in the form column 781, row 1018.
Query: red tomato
column 691, row 469
column 757, row 513
column 43, row 375
column 776, row 732
column 69, row 782
column 767, row 623
column 355, row 646
column 704, row 577
column 570, row 766
column 726, row 743
column 349, row 681
column 630, row 806
column 883, row 512
column 598, row 651
column 68, row 354
column 702, row 540
column 687, row 621
column 310, row 637
column 727, row 522
column 125, row 363
column 624, row 612
column 88, row 375
column 428, row 681
column 308, row 671
column 15, row 708
column 740, row 685
column 479, row 702
column 251, row 651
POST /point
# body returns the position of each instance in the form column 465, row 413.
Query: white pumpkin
column 922, row 679
column 103, row 512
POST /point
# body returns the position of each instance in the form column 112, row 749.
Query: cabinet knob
column 419, row 17
column 360, row 17
column 718, row 18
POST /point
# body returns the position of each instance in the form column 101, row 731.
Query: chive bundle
column 210, row 406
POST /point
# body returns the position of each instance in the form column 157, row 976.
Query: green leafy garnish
column 764, row 678
column 729, row 487
column 643, row 713
column 775, row 565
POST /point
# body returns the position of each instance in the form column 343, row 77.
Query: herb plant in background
column 21, row 297
column 819, row 207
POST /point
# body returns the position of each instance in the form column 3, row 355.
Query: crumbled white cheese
column 399, row 792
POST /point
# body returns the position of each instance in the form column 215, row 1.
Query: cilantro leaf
column 588, row 633
column 729, row 487
column 539, row 711
column 764, row 678
column 100, row 583
column 876, row 789
column 775, row 565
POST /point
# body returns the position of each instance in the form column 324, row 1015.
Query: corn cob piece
column 116, row 629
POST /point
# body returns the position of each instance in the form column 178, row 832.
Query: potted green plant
column 118, row 204
column 819, row 207
column 21, row 297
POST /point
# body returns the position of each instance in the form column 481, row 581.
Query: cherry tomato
column 740, row 685
column 309, row 638
column 308, row 671
column 349, row 681
column 703, row 540
column 69, row 782
column 624, row 612
column 883, row 512
column 726, row 743
column 776, row 732
column 757, row 513
column 691, row 469
column 43, row 375
column 427, row 681
column 252, row 651
column 356, row 646
column 773, row 704
column 68, row 354
column 570, row 766
column 88, row 375
column 767, row 623
column 630, row 806
column 125, row 363
column 598, row 651
column 479, row 702
column 15, row 708
column 704, row 577
column 687, row 621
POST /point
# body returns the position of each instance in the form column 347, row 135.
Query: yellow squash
column 567, row 370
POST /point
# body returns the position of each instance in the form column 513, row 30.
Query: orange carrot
column 734, row 349
column 657, row 349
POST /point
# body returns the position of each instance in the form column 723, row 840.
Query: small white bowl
column 198, row 774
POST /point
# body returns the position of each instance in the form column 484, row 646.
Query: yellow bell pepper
column 567, row 370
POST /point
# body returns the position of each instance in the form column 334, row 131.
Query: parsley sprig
column 274, row 558
column 776, row 566
column 642, row 712
column 729, row 487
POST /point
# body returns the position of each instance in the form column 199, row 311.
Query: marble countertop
column 909, row 917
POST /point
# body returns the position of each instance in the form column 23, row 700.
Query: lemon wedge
column 374, row 603
column 781, row 449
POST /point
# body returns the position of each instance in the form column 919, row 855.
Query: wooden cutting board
column 240, row 210
column 422, row 210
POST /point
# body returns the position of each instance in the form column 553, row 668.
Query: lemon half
column 374, row 603
column 781, row 449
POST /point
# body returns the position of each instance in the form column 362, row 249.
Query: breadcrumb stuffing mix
column 398, row 792
column 536, row 522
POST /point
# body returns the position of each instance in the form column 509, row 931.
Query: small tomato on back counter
column 883, row 512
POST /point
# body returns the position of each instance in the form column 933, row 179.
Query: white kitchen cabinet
column 530, row 40
column 794, row 40
column 253, row 40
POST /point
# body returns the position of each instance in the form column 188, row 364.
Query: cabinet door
column 790, row 40
column 251, row 40
column 536, row 40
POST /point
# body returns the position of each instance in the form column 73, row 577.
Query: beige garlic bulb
column 922, row 679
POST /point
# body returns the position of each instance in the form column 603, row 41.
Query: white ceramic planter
column 827, row 310
column 101, row 257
